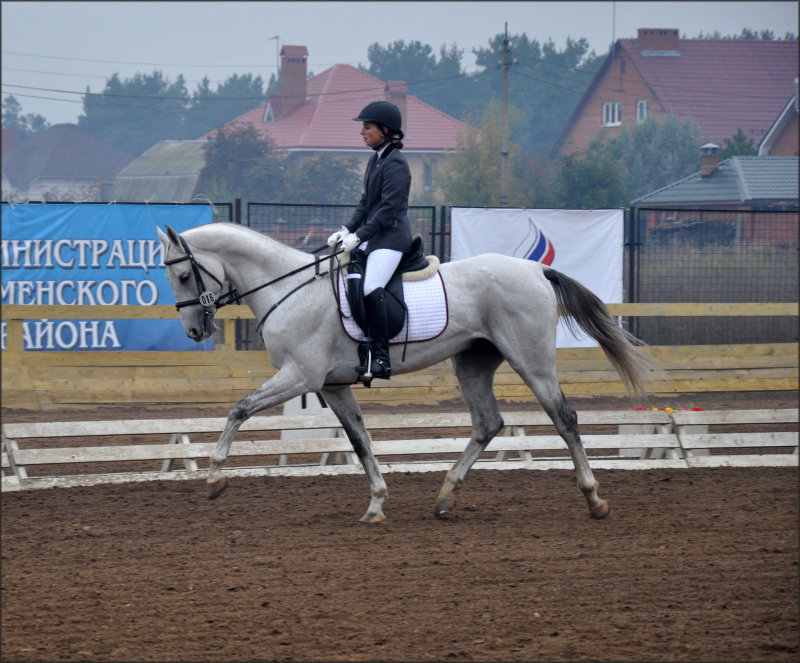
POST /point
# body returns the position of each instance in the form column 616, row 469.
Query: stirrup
column 377, row 369
column 366, row 373
column 363, row 369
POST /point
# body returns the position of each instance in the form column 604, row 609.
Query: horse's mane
column 215, row 228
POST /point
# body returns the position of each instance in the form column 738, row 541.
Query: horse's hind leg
column 566, row 422
column 546, row 388
column 346, row 408
column 475, row 370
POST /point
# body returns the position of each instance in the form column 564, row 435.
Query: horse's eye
column 183, row 278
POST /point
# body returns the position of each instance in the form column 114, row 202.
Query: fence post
column 444, row 221
column 14, row 335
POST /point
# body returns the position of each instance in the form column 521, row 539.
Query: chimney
column 652, row 40
column 397, row 93
column 709, row 159
column 294, row 78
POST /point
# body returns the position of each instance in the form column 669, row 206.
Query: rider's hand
column 338, row 236
column 350, row 242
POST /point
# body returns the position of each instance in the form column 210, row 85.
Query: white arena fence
column 644, row 439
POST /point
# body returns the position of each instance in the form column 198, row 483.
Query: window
column 642, row 111
column 611, row 113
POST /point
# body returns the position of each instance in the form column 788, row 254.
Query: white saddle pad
column 427, row 311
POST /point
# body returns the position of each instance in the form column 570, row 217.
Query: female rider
column 379, row 226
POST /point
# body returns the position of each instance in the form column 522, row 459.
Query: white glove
column 350, row 242
column 338, row 236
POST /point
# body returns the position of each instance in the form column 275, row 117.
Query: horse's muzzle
column 201, row 332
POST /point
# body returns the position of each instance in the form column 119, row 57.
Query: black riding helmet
column 384, row 113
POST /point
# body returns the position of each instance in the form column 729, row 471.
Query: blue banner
column 93, row 254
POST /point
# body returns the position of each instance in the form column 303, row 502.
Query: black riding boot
column 375, row 303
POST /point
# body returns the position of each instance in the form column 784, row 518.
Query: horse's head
column 196, row 280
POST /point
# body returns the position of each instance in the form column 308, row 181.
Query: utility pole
column 505, row 64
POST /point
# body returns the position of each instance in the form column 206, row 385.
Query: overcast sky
column 53, row 51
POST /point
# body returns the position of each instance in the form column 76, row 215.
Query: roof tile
column 737, row 180
column 334, row 98
column 63, row 151
column 723, row 84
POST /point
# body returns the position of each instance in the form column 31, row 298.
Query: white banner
column 584, row 244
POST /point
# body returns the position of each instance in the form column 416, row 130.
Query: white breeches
column 381, row 264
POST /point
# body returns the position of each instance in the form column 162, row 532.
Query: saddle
column 414, row 265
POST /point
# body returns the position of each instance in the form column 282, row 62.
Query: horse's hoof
column 216, row 488
column 600, row 511
column 372, row 517
column 444, row 507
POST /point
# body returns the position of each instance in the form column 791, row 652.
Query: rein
column 211, row 303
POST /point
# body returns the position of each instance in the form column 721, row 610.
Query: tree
column 747, row 33
column 232, row 98
column 136, row 113
column 655, row 152
column 612, row 172
column 544, row 85
column 24, row 126
column 326, row 179
column 471, row 176
column 535, row 178
column 738, row 145
column 241, row 164
column 592, row 181
column 438, row 82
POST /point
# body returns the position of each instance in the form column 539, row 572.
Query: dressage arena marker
column 683, row 446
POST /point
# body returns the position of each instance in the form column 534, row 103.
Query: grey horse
column 500, row 308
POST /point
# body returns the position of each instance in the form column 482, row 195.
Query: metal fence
column 671, row 255
column 307, row 227
column 707, row 255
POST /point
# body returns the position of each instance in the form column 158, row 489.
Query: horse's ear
column 171, row 237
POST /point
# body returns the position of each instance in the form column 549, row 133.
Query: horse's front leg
column 284, row 385
column 346, row 408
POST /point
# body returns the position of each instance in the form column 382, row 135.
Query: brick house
column 721, row 84
column 755, row 185
column 314, row 115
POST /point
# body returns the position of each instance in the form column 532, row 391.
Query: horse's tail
column 580, row 305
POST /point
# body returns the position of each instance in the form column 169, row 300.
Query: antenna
column 277, row 55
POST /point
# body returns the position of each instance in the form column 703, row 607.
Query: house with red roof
column 721, row 84
column 310, row 116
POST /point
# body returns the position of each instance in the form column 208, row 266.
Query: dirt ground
column 691, row 565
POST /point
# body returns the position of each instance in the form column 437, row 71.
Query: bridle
column 207, row 299
column 211, row 303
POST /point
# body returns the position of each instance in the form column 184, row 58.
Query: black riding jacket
column 381, row 216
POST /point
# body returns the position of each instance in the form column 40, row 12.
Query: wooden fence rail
column 49, row 380
column 644, row 440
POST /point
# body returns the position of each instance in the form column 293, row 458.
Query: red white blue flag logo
column 535, row 246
